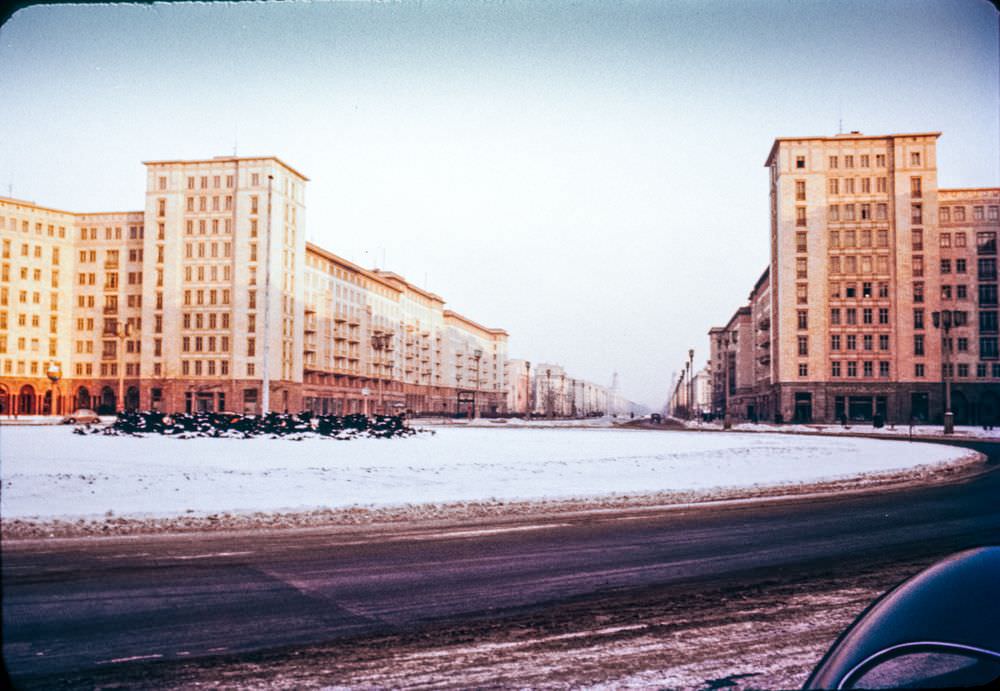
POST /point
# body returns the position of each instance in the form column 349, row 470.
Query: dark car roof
column 956, row 600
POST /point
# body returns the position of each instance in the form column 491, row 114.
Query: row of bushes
column 235, row 425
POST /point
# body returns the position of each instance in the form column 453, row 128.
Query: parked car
column 938, row 629
column 83, row 416
column 655, row 417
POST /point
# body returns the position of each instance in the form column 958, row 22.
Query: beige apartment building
column 865, row 249
column 211, row 290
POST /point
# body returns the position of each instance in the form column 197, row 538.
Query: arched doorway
column 960, row 407
column 108, row 401
column 26, row 400
column 47, row 403
column 989, row 409
column 4, row 400
column 82, row 397
column 132, row 398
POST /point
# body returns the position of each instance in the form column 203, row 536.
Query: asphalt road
column 74, row 606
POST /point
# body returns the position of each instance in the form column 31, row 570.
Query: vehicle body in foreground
column 938, row 629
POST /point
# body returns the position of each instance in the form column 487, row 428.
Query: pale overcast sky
column 587, row 175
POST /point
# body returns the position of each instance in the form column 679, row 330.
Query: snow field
column 48, row 472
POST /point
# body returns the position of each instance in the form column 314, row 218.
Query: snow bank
column 48, row 472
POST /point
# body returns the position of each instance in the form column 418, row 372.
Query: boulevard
column 151, row 608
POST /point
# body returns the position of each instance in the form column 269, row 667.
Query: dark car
column 939, row 629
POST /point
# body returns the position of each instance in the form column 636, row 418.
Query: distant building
column 865, row 248
column 193, row 302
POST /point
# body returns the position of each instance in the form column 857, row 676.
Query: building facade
column 865, row 250
column 210, row 299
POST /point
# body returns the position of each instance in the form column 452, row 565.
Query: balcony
column 764, row 323
column 309, row 326
column 111, row 264
column 110, row 310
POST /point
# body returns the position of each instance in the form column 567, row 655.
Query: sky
column 586, row 175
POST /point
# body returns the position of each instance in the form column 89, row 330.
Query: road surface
column 175, row 610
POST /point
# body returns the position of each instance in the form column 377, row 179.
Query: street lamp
column 944, row 320
column 529, row 396
column 54, row 373
column 691, row 383
column 477, row 354
column 123, row 331
column 381, row 342
column 548, row 392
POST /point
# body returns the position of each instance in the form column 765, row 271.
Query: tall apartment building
column 211, row 290
column 865, row 248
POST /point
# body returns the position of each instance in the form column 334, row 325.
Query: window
column 803, row 343
column 994, row 214
column 803, row 369
column 852, row 369
column 835, row 342
column 849, row 161
column 918, row 369
column 848, row 185
column 988, row 295
column 918, row 344
column 868, row 342
column 963, row 369
column 914, row 158
column 800, row 242
column 835, row 368
column 962, row 292
column 959, row 214
column 883, row 342
column 803, row 319
column 868, row 369
column 880, row 185
column 883, row 315
column 834, row 239
column 253, row 204
column 946, row 266
column 866, row 212
column 883, row 368
column 915, row 187
column 945, row 214
column 918, row 319
column 834, row 186
column 866, row 315
column 986, row 243
column 916, row 214
column 959, row 239
column 881, row 211
column 851, row 290
column 918, row 291
column 986, row 269
column 802, row 293
column 852, row 342
column 866, row 185
column 833, row 162
column 835, row 316
column 834, row 212
column 800, row 268
column 988, row 349
column 866, row 289
column 977, row 213
column 981, row 369
column 865, row 161
column 800, row 216
column 800, row 190
column 988, row 321
column 848, row 212
column 963, row 344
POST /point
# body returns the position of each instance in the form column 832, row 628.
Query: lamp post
column 477, row 354
column 528, row 392
column 54, row 373
column 691, row 383
column 123, row 331
column 380, row 342
column 548, row 393
column 944, row 320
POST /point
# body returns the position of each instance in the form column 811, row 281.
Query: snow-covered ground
column 961, row 431
column 49, row 472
